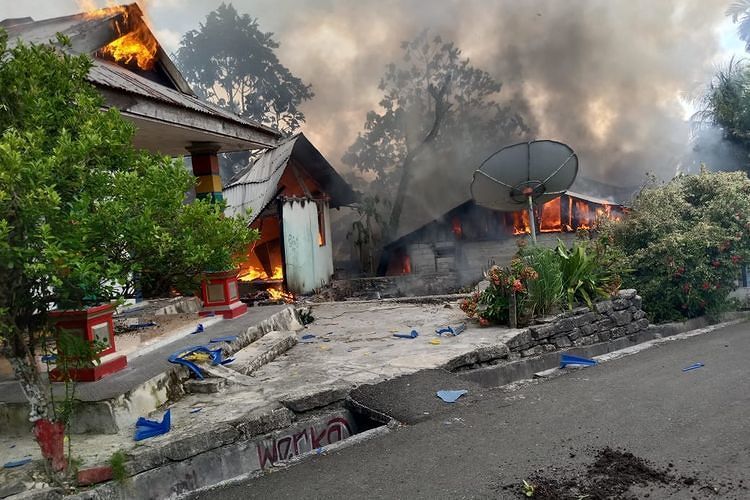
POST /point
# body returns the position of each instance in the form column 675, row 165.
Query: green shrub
column 684, row 241
column 586, row 272
column 545, row 293
column 542, row 280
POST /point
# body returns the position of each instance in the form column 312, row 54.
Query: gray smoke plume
column 605, row 76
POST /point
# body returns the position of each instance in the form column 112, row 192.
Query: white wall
column 308, row 265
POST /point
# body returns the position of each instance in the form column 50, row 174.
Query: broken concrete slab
column 263, row 351
column 242, row 456
column 305, row 400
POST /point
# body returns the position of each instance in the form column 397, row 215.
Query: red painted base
column 109, row 365
column 50, row 436
column 95, row 475
column 230, row 311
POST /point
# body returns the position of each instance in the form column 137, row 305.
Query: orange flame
column 254, row 273
column 551, row 217
column 135, row 43
column 521, row 222
column 277, row 294
column 137, row 46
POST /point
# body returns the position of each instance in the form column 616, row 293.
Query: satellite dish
column 520, row 175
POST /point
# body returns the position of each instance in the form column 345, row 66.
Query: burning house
column 134, row 74
column 466, row 239
column 289, row 191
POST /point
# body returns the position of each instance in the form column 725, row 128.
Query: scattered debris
column 435, row 341
column 198, row 329
column 195, row 410
column 694, row 366
column 16, row 463
column 451, row 396
column 611, row 475
column 451, row 331
column 145, row 428
column 197, row 354
column 569, row 359
column 412, row 335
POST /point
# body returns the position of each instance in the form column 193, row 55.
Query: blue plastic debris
column 198, row 329
column 229, row 338
column 451, row 396
column 195, row 410
column 49, row 358
column 16, row 463
column 145, row 428
column 569, row 359
column 694, row 366
column 414, row 334
column 179, row 358
column 308, row 336
column 451, row 331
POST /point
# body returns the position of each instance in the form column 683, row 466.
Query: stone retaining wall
column 608, row 320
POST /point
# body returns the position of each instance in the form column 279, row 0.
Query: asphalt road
column 698, row 421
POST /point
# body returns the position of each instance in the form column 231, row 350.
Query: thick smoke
column 606, row 76
column 609, row 78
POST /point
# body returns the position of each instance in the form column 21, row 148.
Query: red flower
column 484, row 321
column 736, row 259
column 706, row 286
column 716, row 263
column 517, row 286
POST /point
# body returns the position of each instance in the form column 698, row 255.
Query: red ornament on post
column 220, row 295
column 93, row 325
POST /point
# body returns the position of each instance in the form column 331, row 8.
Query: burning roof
column 128, row 60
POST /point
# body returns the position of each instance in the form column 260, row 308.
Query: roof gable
column 257, row 185
column 89, row 32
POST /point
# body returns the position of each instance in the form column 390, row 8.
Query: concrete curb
column 635, row 349
column 340, row 445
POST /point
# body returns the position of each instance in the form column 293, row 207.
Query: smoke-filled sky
column 613, row 78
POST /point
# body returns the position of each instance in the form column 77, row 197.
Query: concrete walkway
column 353, row 344
column 142, row 368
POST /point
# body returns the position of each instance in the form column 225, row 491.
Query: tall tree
column 726, row 102
column 232, row 63
column 432, row 99
column 739, row 11
column 81, row 210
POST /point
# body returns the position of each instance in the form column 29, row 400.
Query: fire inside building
column 469, row 238
column 289, row 191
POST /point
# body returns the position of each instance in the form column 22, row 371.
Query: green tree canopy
column 726, row 102
column 232, row 63
column 81, row 211
column 684, row 242
column 433, row 98
column 739, row 11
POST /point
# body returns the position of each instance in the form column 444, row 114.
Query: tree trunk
column 441, row 107
column 35, row 391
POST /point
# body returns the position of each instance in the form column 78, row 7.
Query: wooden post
column 512, row 318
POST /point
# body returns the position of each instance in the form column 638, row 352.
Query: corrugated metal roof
column 254, row 188
column 112, row 75
column 79, row 28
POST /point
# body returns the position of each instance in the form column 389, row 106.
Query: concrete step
column 263, row 351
